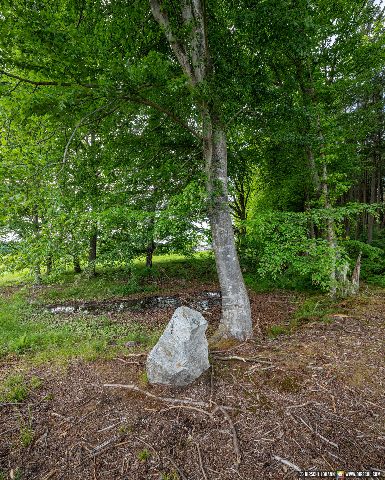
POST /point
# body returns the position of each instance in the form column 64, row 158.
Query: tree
column 68, row 57
column 191, row 49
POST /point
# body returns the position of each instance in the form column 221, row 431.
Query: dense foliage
column 102, row 132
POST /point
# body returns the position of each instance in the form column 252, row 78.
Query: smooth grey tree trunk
column 236, row 313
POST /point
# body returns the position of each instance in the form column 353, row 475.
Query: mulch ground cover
column 310, row 400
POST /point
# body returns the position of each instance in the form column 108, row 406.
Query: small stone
column 131, row 344
column 181, row 354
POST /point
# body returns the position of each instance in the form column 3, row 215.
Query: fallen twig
column 234, row 433
column 134, row 388
column 200, row 462
column 111, row 426
column 50, row 474
column 287, row 463
column 130, row 362
column 318, row 434
column 189, row 407
column 242, row 359
column 140, row 354
column 105, row 444
column 182, row 401
column 229, row 349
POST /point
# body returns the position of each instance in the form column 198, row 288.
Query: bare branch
column 134, row 388
column 79, row 124
column 287, row 463
column 200, row 462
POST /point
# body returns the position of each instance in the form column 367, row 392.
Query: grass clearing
column 127, row 280
column 29, row 333
column 14, row 278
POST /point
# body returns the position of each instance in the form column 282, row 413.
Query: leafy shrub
column 279, row 242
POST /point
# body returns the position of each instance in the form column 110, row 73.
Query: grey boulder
column 181, row 354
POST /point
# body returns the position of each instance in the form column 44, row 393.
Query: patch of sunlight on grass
column 15, row 278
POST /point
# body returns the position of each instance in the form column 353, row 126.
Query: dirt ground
column 311, row 400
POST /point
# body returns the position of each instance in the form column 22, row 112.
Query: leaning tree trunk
column 236, row 312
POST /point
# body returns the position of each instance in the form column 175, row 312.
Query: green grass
column 16, row 387
column 144, row 455
column 376, row 280
column 15, row 278
column 26, row 436
column 315, row 308
column 286, row 281
column 122, row 281
column 30, row 333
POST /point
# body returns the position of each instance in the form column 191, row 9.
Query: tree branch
column 48, row 83
column 160, row 108
column 80, row 123
column 178, row 49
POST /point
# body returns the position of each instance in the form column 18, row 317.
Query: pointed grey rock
column 181, row 354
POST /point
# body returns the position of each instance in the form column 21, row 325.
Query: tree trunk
column 192, row 53
column 236, row 312
column 37, row 275
column 151, row 244
column 49, row 265
column 36, row 268
column 373, row 185
column 330, row 233
column 150, row 253
column 77, row 267
column 356, row 275
column 92, row 254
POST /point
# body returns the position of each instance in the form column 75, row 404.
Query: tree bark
column 37, row 275
column 36, row 268
column 150, row 253
column 49, row 265
column 330, row 232
column 373, row 188
column 236, row 312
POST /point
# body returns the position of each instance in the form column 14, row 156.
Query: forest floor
column 306, row 393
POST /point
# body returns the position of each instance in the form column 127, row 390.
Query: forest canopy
column 128, row 129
